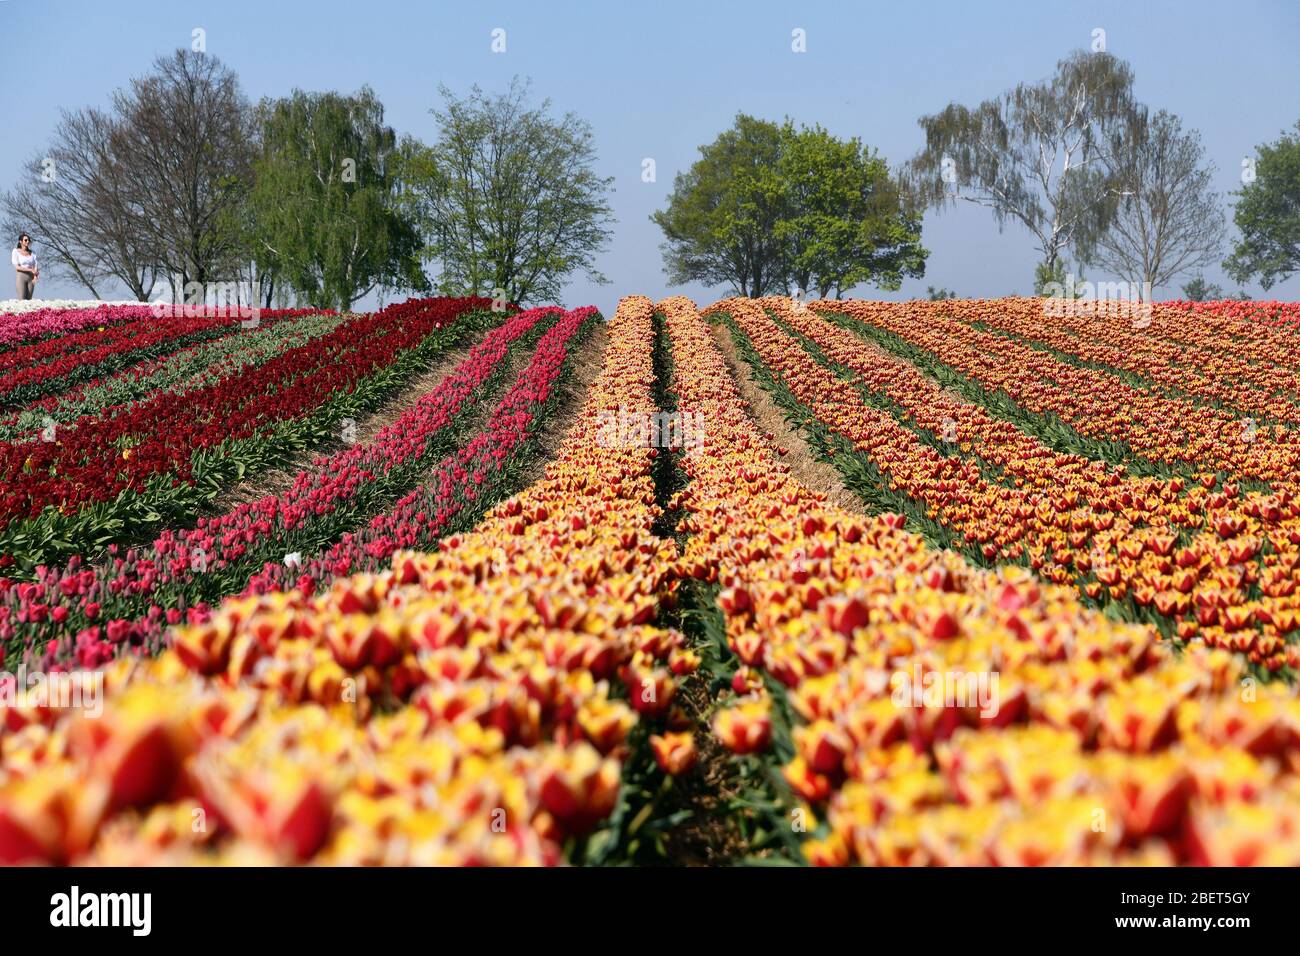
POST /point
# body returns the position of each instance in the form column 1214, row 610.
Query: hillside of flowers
column 1005, row 588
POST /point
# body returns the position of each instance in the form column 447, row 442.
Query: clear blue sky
column 657, row 79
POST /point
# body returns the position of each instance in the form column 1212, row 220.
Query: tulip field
column 839, row 582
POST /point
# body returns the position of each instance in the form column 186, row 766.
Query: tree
column 323, row 209
column 1268, row 215
column 1168, row 219
column 1050, row 279
column 181, row 147
column 149, row 187
column 1198, row 290
column 771, row 208
column 508, row 197
column 841, row 220
column 73, row 203
column 720, row 224
column 1036, row 154
column 940, row 294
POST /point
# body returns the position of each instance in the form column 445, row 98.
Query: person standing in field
column 24, row 262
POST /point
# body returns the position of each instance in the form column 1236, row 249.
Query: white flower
column 19, row 306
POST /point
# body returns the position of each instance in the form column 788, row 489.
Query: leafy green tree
column 508, row 197
column 1198, row 290
column 940, row 294
column 721, row 222
column 772, row 208
column 842, row 221
column 323, row 208
column 1052, row 276
column 1268, row 215
column 1036, row 154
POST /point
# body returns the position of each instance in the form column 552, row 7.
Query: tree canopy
column 768, row 208
column 507, row 198
column 1268, row 215
column 1036, row 154
column 323, row 210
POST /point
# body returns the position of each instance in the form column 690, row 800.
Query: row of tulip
column 35, row 354
column 1160, row 549
column 1181, row 434
column 458, row 709
column 24, row 379
column 87, row 613
column 178, row 372
column 1256, row 330
column 116, row 478
column 1200, row 367
column 474, row 473
column 32, row 325
column 1097, row 744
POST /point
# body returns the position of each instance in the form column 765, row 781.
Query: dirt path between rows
column 803, row 462
column 279, row 480
column 710, row 837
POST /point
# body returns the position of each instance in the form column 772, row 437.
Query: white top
column 25, row 259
